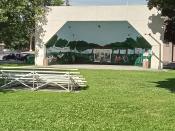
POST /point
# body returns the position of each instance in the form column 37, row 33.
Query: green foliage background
column 18, row 19
column 167, row 8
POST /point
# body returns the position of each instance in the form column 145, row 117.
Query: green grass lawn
column 13, row 65
column 114, row 100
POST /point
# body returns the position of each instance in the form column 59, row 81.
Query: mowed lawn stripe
column 113, row 100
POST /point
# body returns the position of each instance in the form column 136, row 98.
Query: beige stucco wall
column 167, row 53
column 140, row 17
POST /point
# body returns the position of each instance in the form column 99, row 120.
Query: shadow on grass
column 168, row 84
column 15, row 89
column 82, row 88
column 53, row 88
column 5, row 91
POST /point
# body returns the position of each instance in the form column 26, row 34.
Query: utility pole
column 67, row 3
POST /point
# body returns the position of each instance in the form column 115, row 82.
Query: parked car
column 10, row 56
column 26, row 57
column 16, row 56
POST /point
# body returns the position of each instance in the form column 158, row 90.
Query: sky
column 107, row 2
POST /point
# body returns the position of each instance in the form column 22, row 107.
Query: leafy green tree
column 18, row 18
column 142, row 43
column 52, row 41
column 167, row 7
column 130, row 43
column 72, row 45
column 161, row 4
column 61, row 43
column 81, row 45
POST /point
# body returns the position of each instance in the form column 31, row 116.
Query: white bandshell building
column 106, row 34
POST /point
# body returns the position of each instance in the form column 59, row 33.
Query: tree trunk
column 173, row 52
column 31, row 42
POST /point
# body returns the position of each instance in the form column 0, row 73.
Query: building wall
column 167, row 53
column 143, row 20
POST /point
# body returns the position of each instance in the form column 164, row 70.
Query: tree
column 142, row 43
column 61, row 43
column 18, row 18
column 52, row 41
column 167, row 8
column 67, row 2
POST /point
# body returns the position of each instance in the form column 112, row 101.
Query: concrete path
column 107, row 67
column 96, row 67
